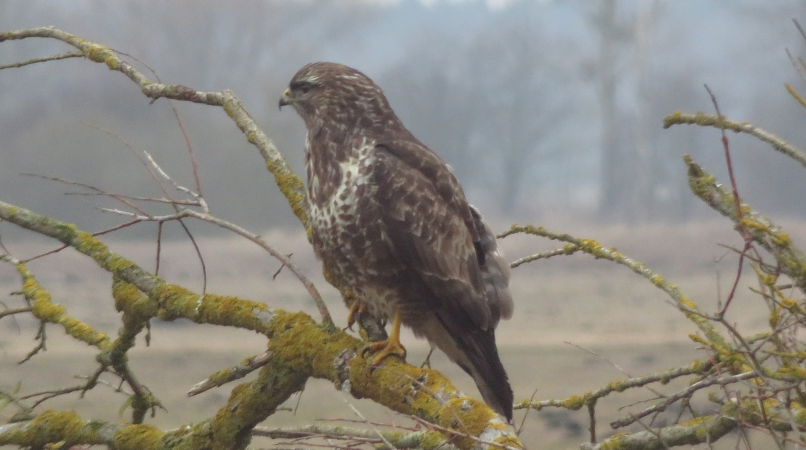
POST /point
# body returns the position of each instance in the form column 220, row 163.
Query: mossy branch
column 290, row 184
column 425, row 440
column 71, row 429
column 578, row 401
column 791, row 260
column 697, row 431
column 300, row 348
column 595, row 249
column 45, row 310
column 702, row 119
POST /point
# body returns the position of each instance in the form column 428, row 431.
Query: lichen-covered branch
column 225, row 376
column 45, row 310
column 568, row 249
column 702, row 119
column 697, row 431
column 595, row 249
column 71, row 429
column 425, row 440
column 685, row 393
column 300, row 348
column 289, row 183
column 578, row 401
column 792, row 261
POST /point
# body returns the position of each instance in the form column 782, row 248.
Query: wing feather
column 429, row 234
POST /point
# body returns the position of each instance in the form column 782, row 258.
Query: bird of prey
column 390, row 220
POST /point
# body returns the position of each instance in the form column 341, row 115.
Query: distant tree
column 495, row 105
column 753, row 382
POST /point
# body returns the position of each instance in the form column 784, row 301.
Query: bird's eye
column 301, row 86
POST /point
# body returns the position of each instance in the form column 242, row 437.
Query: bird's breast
column 343, row 213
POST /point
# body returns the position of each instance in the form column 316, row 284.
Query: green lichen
column 468, row 416
column 52, row 427
column 575, row 402
column 136, row 437
column 97, row 250
column 617, row 386
column 293, row 188
column 129, row 300
column 46, row 311
column 657, row 280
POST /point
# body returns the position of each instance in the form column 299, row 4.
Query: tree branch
column 595, row 249
column 289, row 183
column 300, row 348
column 703, row 119
column 792, row 260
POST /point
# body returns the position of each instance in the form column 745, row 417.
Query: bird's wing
column 423, row 210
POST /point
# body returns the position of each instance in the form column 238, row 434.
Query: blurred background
column 550, row 112
column 547, row 110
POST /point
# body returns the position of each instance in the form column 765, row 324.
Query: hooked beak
column 285, row 99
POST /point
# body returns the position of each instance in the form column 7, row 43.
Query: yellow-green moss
column 590, row 246
column 799, row 413
column 575, row 402
column 432, row 440
column 657, row 280
column 54, row 427
column 129, row 300
column 466, row 415
column 616, row 386
column 45, row 310
column 698, row 366
column 796, row 372
column 137, row 437
column 293, row 188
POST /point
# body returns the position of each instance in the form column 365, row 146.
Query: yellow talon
column 391, row 346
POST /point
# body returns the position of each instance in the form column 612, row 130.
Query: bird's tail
column 475, row 352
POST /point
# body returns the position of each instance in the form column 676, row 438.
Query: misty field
column 578, row 325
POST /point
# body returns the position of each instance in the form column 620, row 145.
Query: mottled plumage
column 391, row 221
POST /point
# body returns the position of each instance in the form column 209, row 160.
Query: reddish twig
column 748, row 239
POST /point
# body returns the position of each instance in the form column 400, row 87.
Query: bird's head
column 332, row 92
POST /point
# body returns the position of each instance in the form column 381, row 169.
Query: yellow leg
column 391, row 346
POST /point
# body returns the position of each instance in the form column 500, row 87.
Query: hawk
column 390, row 220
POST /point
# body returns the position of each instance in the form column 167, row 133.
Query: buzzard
column 391, row 221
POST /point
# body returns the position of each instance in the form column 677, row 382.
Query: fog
column 550, row 112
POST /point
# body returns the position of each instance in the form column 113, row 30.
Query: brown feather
column 391, row 221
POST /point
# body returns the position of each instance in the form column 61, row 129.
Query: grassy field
column 579, row 324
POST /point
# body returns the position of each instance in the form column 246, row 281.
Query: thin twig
column 11, row 312
column 43, row 59
column 683, row 394
column 748, row 239
column 569, row 249
column 380, row 435
column 703, row 119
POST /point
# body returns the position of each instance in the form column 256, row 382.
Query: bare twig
column 748, row 241
column 288, row 182
column 460, row 434
column 43, row 59
column 11, row 312
column 378, row 433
